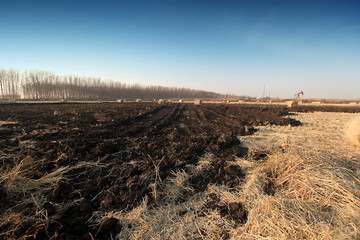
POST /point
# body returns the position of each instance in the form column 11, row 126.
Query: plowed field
column 60, row 163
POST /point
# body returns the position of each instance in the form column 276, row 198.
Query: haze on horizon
column 222, row 46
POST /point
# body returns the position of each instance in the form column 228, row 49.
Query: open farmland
column 144, row 170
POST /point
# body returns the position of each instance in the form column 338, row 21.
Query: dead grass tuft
column 178, row 214
column 313, row 199
column 14, row 181
column 33, row 222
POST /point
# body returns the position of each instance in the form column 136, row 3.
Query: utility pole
column 263, row 92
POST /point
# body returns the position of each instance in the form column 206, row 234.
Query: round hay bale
column 180, row 101
column 138, row 100
column 291, row 104
column 352, row 132
column 198, row 102
column 161, row 101
column 120, row 100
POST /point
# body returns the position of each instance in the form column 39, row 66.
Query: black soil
column 116, row 148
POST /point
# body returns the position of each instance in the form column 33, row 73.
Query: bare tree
column 2, row 81
column 46, row 85
column 14, row 83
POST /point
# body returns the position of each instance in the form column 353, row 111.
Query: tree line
column 44, row 85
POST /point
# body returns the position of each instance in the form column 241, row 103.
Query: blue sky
column 222, row 46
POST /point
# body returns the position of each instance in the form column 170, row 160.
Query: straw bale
column 291, row 103
column 352, row 132
column 198, row 102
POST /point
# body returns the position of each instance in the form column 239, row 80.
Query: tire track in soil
column 131, row 126
column 231, row 122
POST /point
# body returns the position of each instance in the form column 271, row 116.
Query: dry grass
column 316, row 182
column 307, row 188
column 179, row 214
column 14, row 181
column 7, row 123
column 312, row 174
column 313, row 199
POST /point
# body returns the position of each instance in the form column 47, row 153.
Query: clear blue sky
column 222, row 46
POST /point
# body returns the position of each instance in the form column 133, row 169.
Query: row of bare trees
column 9, row 83
column 45, row 85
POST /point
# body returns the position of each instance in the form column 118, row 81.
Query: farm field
column 166, row 171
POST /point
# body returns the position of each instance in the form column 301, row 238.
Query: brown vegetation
column 150, row 171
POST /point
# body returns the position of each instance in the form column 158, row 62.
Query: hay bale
column 180, row 101
column 161, row 101
column 198, row 102
column 352, row 132
column 138, row 100
column 291, row 103
column 120, row 100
